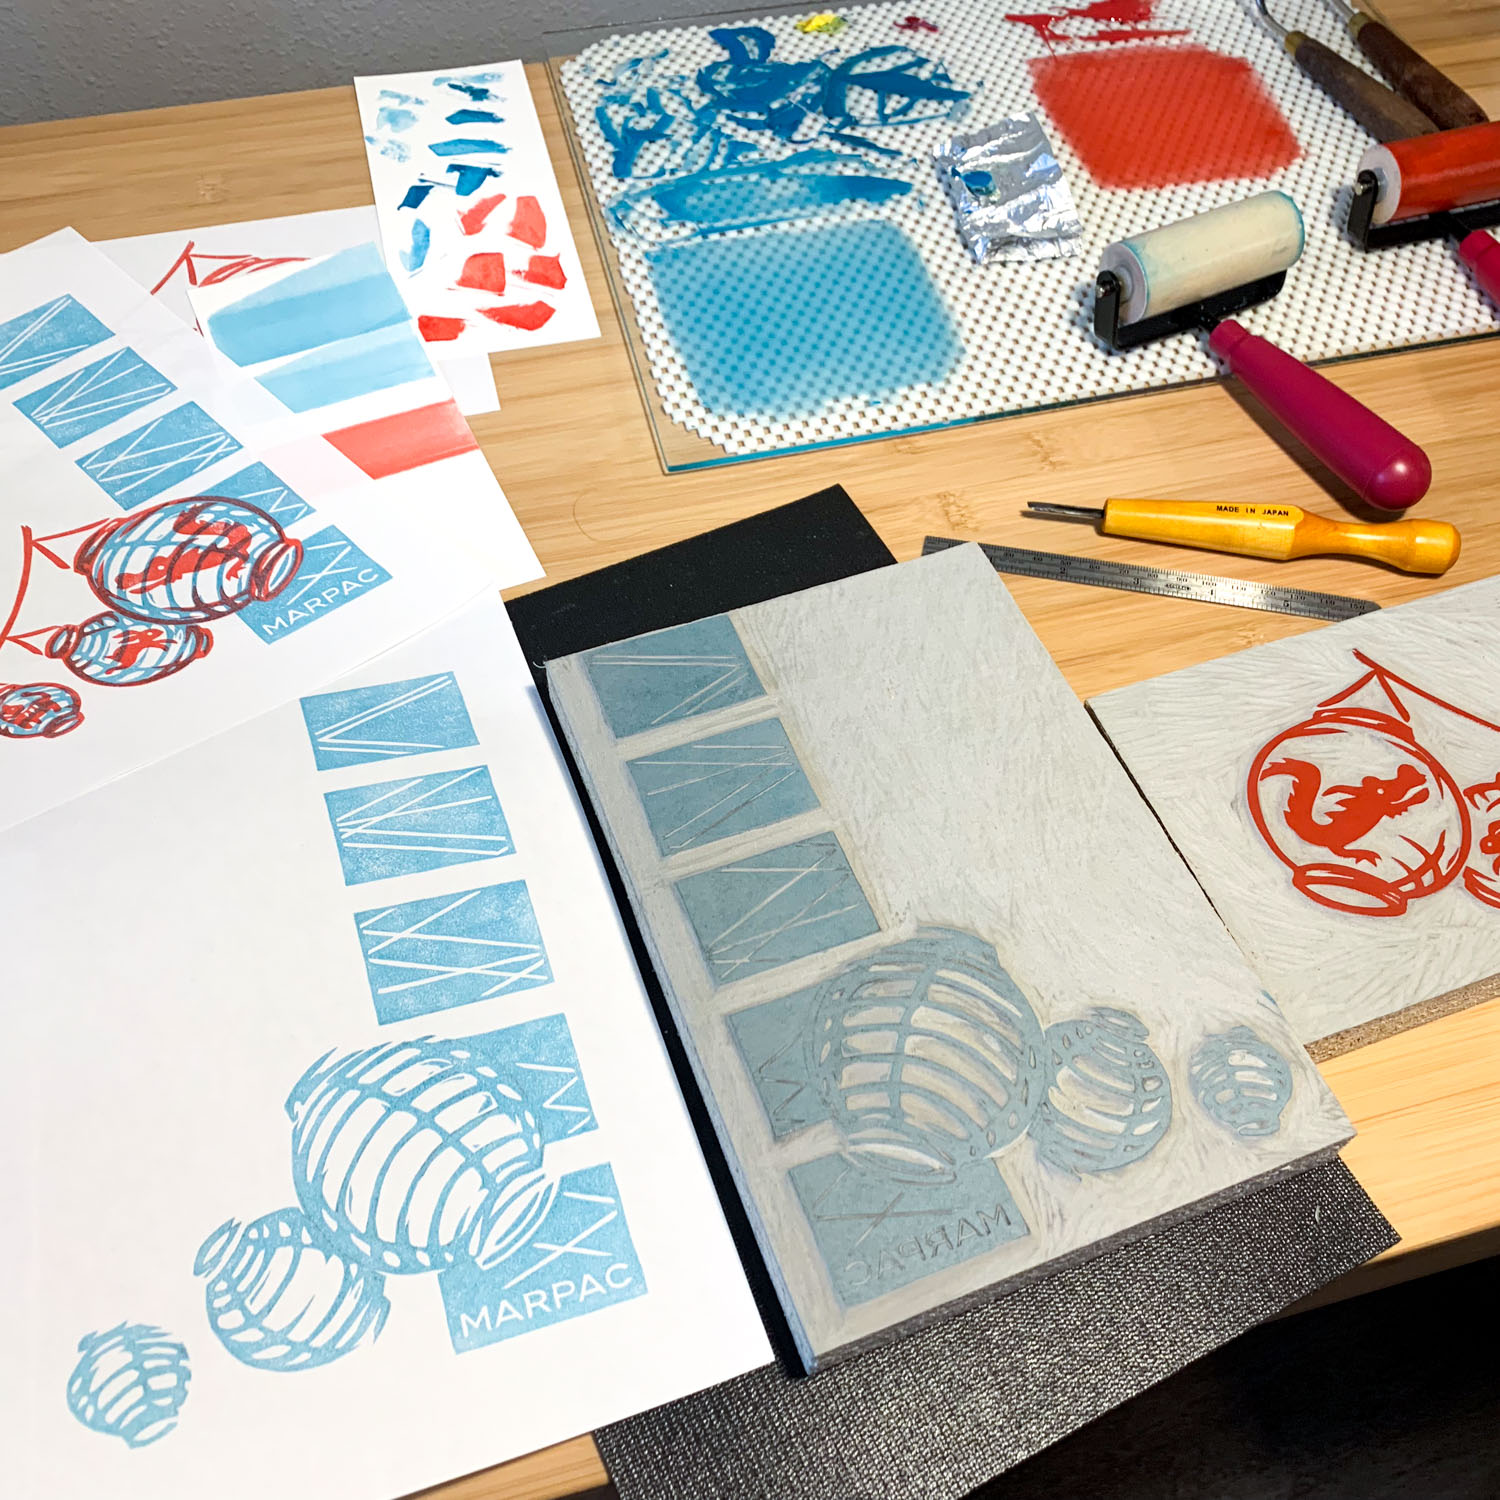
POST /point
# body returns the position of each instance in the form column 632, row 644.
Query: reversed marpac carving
column 927, row 1055
column 1241, row 1081
column 1108, row 1099
column 277, row 1299
column 413, row 1155
column 130, row 1382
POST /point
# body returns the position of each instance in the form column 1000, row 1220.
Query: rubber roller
column 1188, row 273
column 1433, row 173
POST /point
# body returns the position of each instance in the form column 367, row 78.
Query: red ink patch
column 527, row 315
column 916, row 23
column 1127, row 21
column 1151, row 117
column 439, row 330
column 530, row 223
column 471, row 220
column 485, row 272
column 407, row 440
column 545, row 270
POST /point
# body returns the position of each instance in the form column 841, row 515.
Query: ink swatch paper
column 333, row 1181
column 163, row 575
column 470, row 214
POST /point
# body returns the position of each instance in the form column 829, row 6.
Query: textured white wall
column 89, row 57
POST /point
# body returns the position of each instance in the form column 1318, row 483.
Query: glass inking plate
column 786, row 261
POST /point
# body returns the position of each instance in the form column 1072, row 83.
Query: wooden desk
column 572, row 448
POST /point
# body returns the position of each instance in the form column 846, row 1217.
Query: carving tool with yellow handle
column 1275, row 531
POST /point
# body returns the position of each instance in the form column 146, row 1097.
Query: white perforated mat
column 1024, row 328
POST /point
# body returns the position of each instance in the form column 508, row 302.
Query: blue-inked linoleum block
column 352, row 367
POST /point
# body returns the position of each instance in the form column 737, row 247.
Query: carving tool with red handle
column 1197, row 272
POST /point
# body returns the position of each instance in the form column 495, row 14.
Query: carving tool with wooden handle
column 1409, row 73
column 1384, row 113
column 1274, row 531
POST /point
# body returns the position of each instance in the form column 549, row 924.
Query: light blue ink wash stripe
column 348, row 294
column 352, row 367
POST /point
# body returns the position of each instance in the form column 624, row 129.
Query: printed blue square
column 765, row 910
column 445, row 951
column 540, row 1059
column 333, row 572
column 671, row 674
column 412, row 717
column 165, row 452
column 579, row 1259
column 106, row 391
column 417, row 823
column 772, row 1043
column 259, row 487
column 727, row 783
column 45, row 336
column 876, row 1234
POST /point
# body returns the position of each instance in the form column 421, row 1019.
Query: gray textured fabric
column 934, row 1415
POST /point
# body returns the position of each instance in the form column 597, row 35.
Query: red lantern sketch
column 1366, row 817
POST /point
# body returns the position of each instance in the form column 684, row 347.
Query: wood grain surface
column 575, row 454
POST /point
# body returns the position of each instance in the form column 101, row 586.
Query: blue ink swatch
column 165, row 452
column 415, row 257
column 347, row 294
column 1241, row 1081
column 349, row 368
column 876, row 1233
column 402, row 827
column 766, row 910
column 581, row 1259
column 106, row 391
column 468, row 178
column 412, row 717
column 416, row 195
column 44, row 336
column 728, row 783
column 782, row 324
column 259, row 487
column 467, row 146
column 671, row 674
column 444, row 951
column 394, row 117
column 772, row 1043
column 475, row 117
column 130, row 1382
column 333, row 572
column 541, row 1062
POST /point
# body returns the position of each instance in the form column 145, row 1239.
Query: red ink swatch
column 1128, row 21
column 439, row 330
column 472, row 218
column 527, row 315
column 407, row 440
column 485, row 272
column 545, row 270
column 530, row 223
column 1151, row 117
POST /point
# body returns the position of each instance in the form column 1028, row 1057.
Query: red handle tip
column 1402, row 482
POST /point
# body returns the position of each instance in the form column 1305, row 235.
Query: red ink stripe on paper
column 472, row 218
column 485, row 271
column 407, row 440
column 530, row 223
column 527, row 315
column 439, row 330
column 545, row 270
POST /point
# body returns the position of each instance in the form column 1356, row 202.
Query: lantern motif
column 117, row 651
column 411, row 1156
column 189, row 560
column 1241, row 1081
column 927, row 1056
column 29, row 709
column 1482, row 874
column 129, row 1382
column 279, row 1300
column 1108, row 1100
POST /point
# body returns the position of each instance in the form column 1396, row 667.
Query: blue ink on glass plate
column 106, row 391
column 130, row 1382
column 43, row 336
column 415, row 716
column 785, row 323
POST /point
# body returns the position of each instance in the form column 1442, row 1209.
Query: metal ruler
column 1138, row 579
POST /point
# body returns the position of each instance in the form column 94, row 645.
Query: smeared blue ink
column 394, row 150
column 130, row 1382
column 347, row 294
column 421, row 242
column 394, row 117
column 468, row 178
column 471, row 84
column 660, row 131
column 349, row 368
column 475, row 117
column 416, row 195
column 782, row 324
column 859, row 142
column 782, row 98
column 467, row 146
column 891, row 86
column 396, row 97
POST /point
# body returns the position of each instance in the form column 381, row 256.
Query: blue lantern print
column 927, row 1056
column 279, row 1300
column 189, row 560
column 1241, row 1081
column 116, row 651
column 129, row 1382
column 32, row 709
column 412, row 1156
column 1108, row 1099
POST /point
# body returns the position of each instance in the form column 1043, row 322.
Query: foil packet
column 1008, row 193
